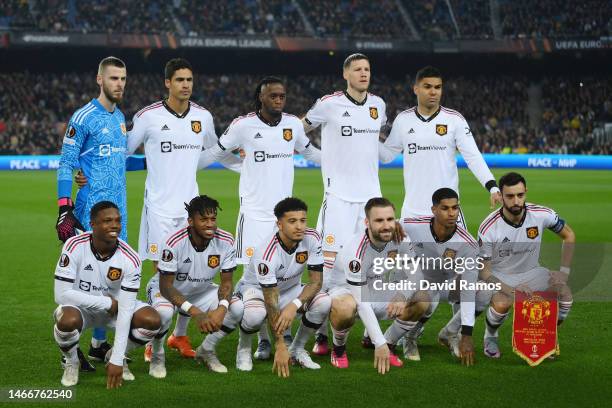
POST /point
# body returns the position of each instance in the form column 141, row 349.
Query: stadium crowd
column 34, row 108
column 432, row 19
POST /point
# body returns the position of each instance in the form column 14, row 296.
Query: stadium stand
column 34, row 108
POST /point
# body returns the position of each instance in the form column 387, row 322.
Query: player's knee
column 166, row 312
column 68, row 318
column 147, row 318
column 343, row 312
column 418, row 309
column 319, row 308
column 501, row 303
column 253, row 316
column 236, row 310
column 483, row 299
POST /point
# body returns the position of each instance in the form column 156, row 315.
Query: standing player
column 449, row 254
column 174, row 132
column 271, row 286
column 351, row 122
column 268, row 138
column 352, row 289
column 510, row 240
column 96, row 282
column 191, row 258
column 95, row 141
column 430, row 135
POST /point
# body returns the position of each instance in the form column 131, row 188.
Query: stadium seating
column 34, row 108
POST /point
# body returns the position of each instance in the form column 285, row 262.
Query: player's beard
column 109, row 95
column 377, row 235
column 515, row 209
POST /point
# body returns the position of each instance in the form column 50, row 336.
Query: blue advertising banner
column 543, row 161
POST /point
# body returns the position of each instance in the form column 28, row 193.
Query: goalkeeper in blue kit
column 96, row 142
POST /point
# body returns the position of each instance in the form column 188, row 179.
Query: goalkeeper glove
column 67, row 225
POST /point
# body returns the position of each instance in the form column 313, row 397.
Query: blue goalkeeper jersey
column 95, row 141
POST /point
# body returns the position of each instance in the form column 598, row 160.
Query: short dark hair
column 110, row 62
column 377, row 202
column 174, row 65
column 202, row 205
column 289, row 204
column 511, row 179
column 354, row 57
column 427, row 72
column 265, row 81
column 101, row 206
column 443, row 194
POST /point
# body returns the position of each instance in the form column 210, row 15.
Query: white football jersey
column 430, row 147
column 274, row 265
column 355, row 262
column 193, row 269
column 460, row 245
column 267, row 171
column 349, row 144
column 515, row 248
column 96, row 276
column 172, row 144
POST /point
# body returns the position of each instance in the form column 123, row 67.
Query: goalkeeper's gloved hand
column 67, row 225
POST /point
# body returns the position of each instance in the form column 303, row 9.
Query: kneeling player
column 449, row 257
column 352, row 286
column 191, row 258
column 96, row 282
column 510, row 241
column 271, row 286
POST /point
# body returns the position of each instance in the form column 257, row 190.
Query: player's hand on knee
column 558, row 278
column 381, row 359
column 80, row 179
column 285, row 318
column 114, row 306
column 281, row 360
column 395, row 309
column 466, row 350
column 216, row 317
column 201, row 319
column 114, row 376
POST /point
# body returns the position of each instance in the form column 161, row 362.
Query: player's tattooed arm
column 271, row 295
column 167, row 289
column 226, row 285
column 281, row 355
column 224, row 292
column 315, row 282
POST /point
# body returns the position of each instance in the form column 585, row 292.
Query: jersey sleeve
column 131, row 280
column 302, row 141
column 352, row 267
column 66, row 268
column 136, row 135
column 466, row 144
column 230, row 139
column 552, row 221
column 485, row 241
column 228, row 264
column 74, row 139
column 394, row 143
column 265, row 272
column 168, row 262
column 315, row 253
column 316, row 115
column 210, row 134
column 383, row 116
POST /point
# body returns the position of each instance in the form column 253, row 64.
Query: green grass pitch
column 581, row 376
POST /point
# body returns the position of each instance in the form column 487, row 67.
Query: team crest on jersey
column 441, row 129
column 113, row 273
column 153, row 248
column 354, row 266
column 288, row 134
column 449, row 254
column 373, row 112
column 532, row 232
column 167, row 255
column 123, row 129
column 301, row 257
column 64, row 261
column 330, row 239
column 262, row 269
column 196, row 126
column 213, row 261
column 249, row 251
